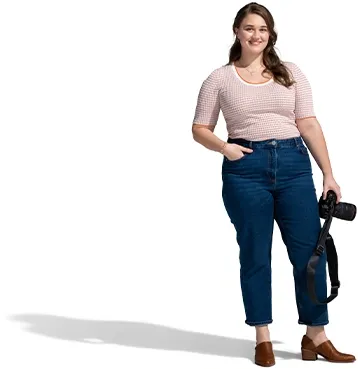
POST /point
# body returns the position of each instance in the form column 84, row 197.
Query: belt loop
column 250, row 144
column 296, row 141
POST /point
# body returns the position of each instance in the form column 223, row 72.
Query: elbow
column 196, row 128
column 196, row 136
column 201, row 131
column 305, row 126
column 195, row 132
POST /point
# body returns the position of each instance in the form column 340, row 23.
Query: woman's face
column 253, row 34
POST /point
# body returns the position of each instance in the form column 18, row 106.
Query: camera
column 328, row 209
column 342, row 210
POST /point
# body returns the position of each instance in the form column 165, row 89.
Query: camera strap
column 325, row 242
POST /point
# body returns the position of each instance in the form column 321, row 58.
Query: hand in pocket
column 236, row 152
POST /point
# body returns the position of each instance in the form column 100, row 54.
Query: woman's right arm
column 204, row 134
column 206, row 116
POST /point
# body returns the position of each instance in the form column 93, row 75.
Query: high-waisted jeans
column 274, row 182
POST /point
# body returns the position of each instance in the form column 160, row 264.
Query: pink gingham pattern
column 254, row 111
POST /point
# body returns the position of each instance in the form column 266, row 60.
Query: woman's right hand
column 234, row 151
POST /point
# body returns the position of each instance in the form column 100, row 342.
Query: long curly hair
column 271, row 60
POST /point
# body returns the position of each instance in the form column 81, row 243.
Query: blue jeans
column 274, row 182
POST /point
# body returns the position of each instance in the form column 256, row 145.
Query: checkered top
column 254, row 111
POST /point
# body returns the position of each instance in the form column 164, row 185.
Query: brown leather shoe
column 325, row 349
column 264, row 355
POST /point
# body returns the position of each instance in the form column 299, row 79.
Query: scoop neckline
column 247, row 82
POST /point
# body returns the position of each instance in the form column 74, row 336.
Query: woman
column 267, row 174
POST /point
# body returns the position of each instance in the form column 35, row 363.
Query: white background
column 116, row 249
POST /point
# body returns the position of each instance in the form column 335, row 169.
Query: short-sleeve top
column 254, row 111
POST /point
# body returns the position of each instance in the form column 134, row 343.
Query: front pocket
column 236, row 160
column 303, row 149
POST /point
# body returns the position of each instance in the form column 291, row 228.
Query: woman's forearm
column 316, row 143
column 208, row 139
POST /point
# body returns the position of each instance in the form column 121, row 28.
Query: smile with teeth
column 254, row 43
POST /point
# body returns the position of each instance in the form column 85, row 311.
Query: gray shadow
column 141, row 335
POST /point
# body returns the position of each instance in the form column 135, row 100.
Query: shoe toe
column 266, row 363
column 350, row 357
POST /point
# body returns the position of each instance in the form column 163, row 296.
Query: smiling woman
column 254, row 36
column 253, row 31
column 267, row 175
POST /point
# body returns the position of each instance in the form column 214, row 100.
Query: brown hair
column 271, row 60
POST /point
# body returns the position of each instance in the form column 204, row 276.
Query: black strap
column 325, row 242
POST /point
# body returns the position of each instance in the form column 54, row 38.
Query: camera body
column 342, row 210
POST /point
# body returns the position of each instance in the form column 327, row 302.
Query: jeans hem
column 263, row 322
column 313, row 324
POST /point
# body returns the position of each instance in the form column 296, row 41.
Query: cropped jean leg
column 274, row 183
column 297, row 215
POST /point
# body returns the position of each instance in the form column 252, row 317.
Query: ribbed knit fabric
column 254, row 111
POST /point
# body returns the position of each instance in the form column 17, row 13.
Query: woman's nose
column 257, row 35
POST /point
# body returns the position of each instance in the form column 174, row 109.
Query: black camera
column 342, row 210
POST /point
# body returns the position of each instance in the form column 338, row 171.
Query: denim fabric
column 274, row 182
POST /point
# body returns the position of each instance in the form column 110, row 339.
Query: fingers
column 335, row 190
column 339, row 196
column 245, row 149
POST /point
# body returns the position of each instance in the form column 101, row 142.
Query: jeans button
column 273, row 142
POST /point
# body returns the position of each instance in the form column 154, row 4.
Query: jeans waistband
column 288, row 142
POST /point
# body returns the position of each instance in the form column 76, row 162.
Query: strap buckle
column 319, row 250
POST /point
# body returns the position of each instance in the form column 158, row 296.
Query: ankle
column 315, row 331
column 262, row 334
column 316, row 334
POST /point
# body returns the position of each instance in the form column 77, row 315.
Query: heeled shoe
column 264, row 354
column 326, row 349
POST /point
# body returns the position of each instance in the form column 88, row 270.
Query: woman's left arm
column 312, row 134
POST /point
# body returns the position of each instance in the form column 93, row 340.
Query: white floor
column 176, row 308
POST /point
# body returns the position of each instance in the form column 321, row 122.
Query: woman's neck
column 250, row 61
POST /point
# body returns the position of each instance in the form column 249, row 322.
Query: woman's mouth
column 254, row 43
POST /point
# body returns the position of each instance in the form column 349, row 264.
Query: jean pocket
column 303, row 149
column 236, row 160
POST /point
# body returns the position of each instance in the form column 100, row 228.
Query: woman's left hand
column 329, row 183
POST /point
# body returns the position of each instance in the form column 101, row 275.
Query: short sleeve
column 208, row 105
column 304, row 107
